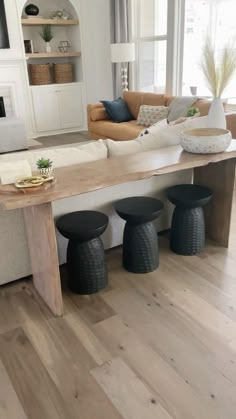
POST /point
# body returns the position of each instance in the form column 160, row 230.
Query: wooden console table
column 216, row 171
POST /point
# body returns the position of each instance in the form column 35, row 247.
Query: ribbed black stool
column 140, row 243
column 86, row 263
column 188, row 223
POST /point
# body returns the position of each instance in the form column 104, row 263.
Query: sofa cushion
column 122, row 131
column 158, row 136
column 61, row 156
column 149, row 115
column 135, row 99
column 168, row 131
column 13, row 135
column 117, row 110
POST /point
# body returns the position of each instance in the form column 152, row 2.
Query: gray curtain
column 119, row 33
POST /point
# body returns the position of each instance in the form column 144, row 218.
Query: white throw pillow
column 61, row 156
column 148, row 115
column 170, row 134
column 158, row 136
column 10, row 172
column 157, row 126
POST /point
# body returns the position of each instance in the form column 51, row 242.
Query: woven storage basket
column 40, row 74
column 63, row 73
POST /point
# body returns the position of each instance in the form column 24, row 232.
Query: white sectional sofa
column 14, row 256
column 12, row 134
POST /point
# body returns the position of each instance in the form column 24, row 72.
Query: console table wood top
column 87, row 177
column 217, row 171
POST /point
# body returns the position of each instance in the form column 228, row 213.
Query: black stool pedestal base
column 140, row 248
column 187, row 231
column 86, row 266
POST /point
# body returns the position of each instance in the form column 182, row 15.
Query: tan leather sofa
column 100, row 126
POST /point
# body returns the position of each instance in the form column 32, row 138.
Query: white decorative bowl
column 205, row 140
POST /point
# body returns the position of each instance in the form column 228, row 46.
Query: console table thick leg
column 220, row 178
column 39, row 224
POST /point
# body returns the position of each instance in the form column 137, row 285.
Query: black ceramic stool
column 86, row 263
column 140, row 243
column 188, row 223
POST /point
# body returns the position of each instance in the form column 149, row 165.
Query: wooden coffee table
column 216, row 171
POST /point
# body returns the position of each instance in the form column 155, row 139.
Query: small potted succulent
column 45, row 166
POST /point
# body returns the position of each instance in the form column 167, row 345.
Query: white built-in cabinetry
column 91, row 37
column 58, row 107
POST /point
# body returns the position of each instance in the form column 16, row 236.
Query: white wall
column 94, row 19
column 95, row 24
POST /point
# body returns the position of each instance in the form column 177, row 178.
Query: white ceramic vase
column 48, row 47
column 193, row 90
column 216, row 116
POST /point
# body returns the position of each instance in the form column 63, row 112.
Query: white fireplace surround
column 7, row 92
column 13, row 89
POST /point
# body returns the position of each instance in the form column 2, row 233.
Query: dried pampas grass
column 218, row 76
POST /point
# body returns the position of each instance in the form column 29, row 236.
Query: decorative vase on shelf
column 47, row 36
column 32, row 10
column 48, row 47
column 216, row 116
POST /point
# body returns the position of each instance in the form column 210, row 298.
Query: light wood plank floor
column 59, row 140
column 156, row 346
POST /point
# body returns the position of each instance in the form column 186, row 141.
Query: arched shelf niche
column 61, row 32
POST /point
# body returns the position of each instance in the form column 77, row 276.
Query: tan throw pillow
column 149, row 115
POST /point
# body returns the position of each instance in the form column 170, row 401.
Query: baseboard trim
column 58, row 132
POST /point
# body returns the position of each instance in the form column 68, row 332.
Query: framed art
column 4, row 38
column 2, row 108
column 28, row 43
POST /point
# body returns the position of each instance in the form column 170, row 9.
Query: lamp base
column 124, row 77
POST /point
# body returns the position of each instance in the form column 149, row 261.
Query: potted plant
column 218, row 71
column 193, row 112
column 45, row 166
column 47, row 36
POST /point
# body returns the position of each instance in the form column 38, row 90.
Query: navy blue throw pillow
column 117, row 110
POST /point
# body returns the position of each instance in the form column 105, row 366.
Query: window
column 151, row 36
column 216, row 19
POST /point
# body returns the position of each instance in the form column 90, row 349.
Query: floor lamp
column 123, row 53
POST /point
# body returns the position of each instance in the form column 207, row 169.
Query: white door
column 70, row 106
column 46, row 108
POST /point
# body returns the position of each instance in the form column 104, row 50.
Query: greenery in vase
column 192, row 112
column 44, row 163
column 218, row 71
column 46, row 33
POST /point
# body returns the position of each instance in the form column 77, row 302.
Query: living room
column 117, row 221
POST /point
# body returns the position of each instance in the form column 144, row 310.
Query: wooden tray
column 13, row 189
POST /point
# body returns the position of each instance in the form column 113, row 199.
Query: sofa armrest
column 95, row 112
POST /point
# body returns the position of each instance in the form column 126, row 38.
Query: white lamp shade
column 122, row 53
